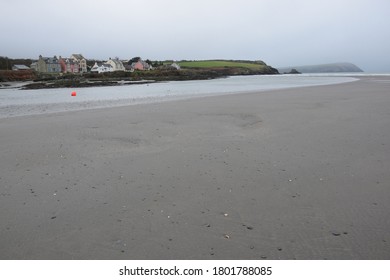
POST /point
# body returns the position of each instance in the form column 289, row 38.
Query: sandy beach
column 297, row 173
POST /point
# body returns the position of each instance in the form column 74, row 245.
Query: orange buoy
column 73, row 93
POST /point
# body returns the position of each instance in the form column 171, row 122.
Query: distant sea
column 16, row 102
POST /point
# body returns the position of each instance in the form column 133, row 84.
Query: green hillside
column 253, row 65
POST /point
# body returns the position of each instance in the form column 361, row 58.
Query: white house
column 116, row 64
column 102, row 68
column 19, row 67
column 176, row 66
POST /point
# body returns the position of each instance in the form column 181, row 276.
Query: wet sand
column 287, row 174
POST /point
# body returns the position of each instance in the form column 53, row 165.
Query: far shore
column 91, row 79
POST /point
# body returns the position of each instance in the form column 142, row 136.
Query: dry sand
column 286, row 174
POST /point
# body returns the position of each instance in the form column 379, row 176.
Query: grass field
column 220, row 64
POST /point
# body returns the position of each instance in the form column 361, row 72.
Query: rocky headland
column 193, row 70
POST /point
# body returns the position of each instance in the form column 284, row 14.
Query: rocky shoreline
column 136, row 77
column 81, row 84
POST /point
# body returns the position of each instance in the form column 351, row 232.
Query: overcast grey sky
column 280, row 32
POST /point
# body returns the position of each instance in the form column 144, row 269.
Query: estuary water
column 16, row 102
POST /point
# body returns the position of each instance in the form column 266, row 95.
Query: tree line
column 6, row 63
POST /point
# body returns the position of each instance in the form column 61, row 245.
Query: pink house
column 68, row 65
column 138, row 66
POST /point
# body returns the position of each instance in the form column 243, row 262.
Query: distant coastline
column 137, row 71
column 188, row 70
column 339, row 67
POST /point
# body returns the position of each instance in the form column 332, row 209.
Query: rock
column 294, row 71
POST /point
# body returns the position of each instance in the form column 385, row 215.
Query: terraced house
column 48, row 65
column 69, row 65
column 81, row 61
